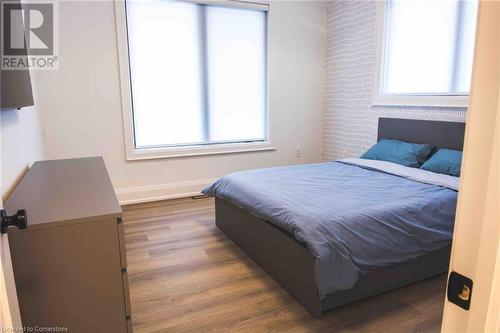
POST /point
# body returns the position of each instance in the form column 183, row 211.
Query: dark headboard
column 441, row 134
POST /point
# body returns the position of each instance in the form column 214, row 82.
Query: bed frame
column 292, row 265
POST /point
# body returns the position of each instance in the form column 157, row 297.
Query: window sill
column 201, row 150
column 450, row 101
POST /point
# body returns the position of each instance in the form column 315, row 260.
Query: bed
column 310, row 259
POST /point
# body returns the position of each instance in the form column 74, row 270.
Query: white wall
column 81, row 111
column 350, row 122
column 21, row 144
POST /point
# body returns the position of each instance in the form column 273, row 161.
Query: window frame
column 380, row 98
column 133, row 153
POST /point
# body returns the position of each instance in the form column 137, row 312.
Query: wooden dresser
column 69, row 264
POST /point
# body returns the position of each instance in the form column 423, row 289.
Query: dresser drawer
column 61, row 271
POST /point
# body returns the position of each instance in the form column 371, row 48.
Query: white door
column 476, row 251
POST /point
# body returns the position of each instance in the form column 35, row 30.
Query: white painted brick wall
column 350, row 122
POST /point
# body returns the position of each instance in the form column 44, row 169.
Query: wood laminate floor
column 187, row 276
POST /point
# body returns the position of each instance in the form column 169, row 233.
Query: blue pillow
column 407, row 154
column 445, row 161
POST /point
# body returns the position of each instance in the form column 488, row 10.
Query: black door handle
column 18, row 220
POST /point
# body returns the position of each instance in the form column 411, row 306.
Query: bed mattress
column 354, row 215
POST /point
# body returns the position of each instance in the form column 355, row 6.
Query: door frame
column 9, row 307
column 476, row 248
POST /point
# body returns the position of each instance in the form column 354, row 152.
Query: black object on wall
column 15, row 85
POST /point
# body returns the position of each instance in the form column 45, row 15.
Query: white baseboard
column 148, row 193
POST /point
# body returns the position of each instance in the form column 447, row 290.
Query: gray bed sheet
column 353, row 215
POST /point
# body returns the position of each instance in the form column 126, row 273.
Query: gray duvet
column 353, row 215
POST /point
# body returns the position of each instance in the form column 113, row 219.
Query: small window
column 197, row 76
column 426, row 52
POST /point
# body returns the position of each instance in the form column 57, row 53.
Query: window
column 197, row 77
column 426, row 52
